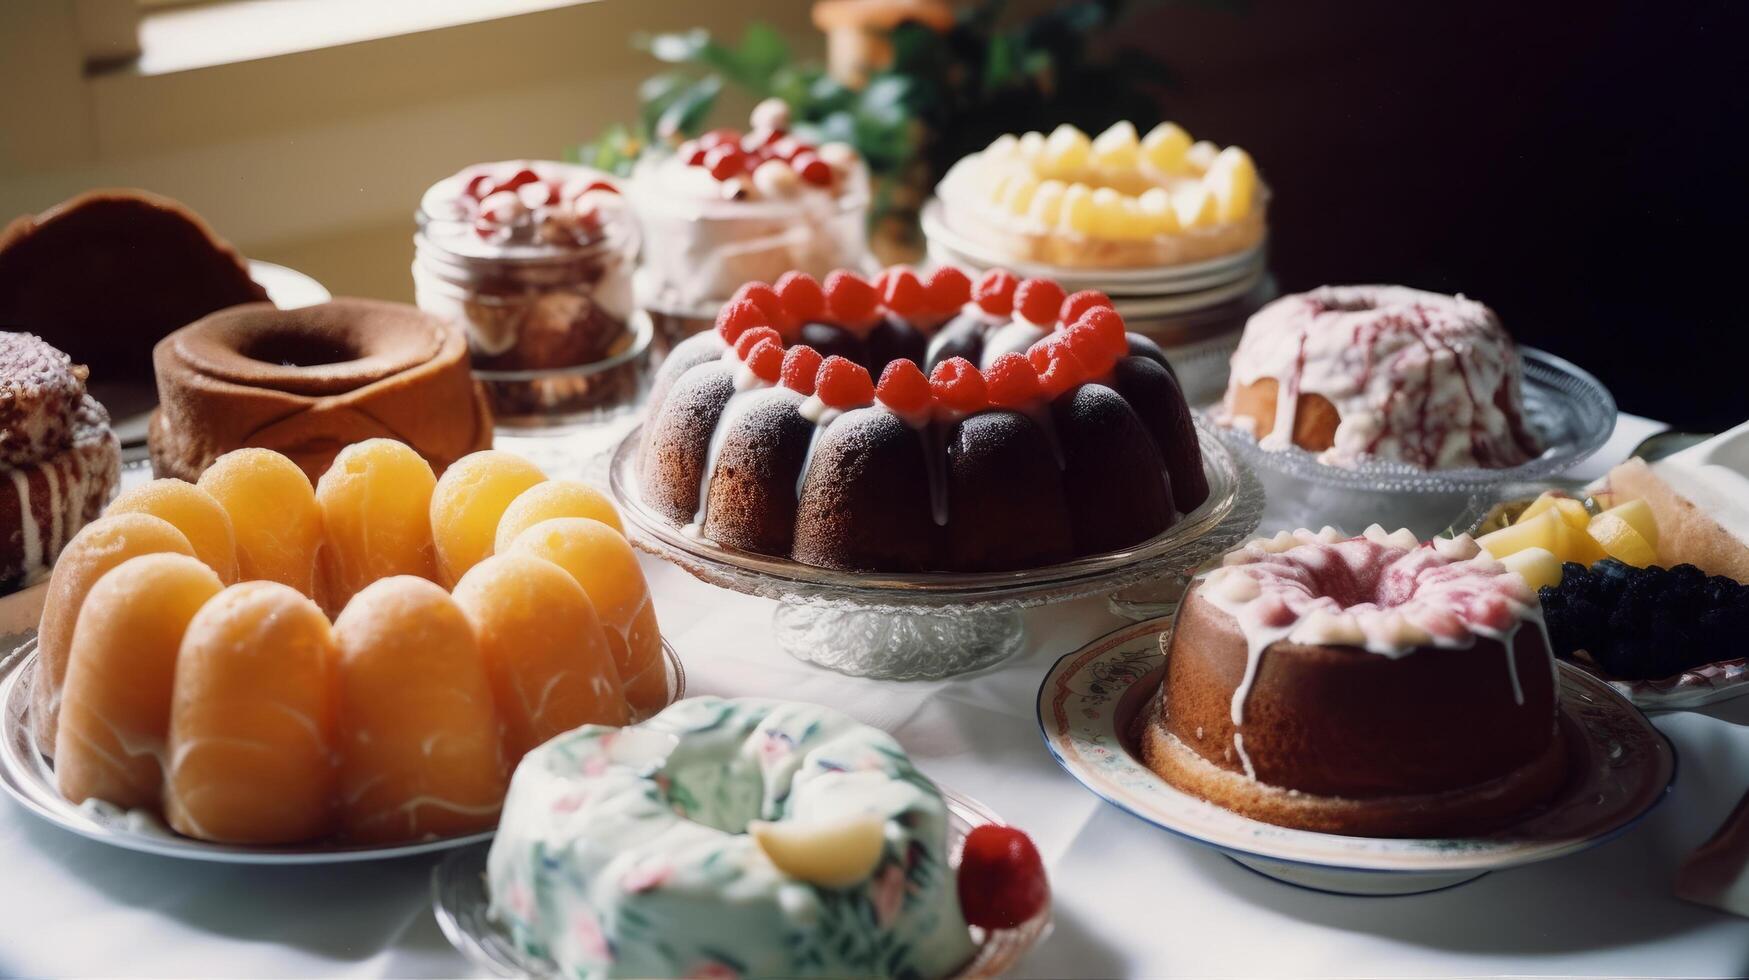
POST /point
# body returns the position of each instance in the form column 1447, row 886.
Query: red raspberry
column 802, row 297
column 1080, row 303
column 903, row 387
column 850, row 300
column 843, row 384
column 692, row 153
column 1038, row 300
column 903, row 292
column 801, row 368
column 769, row 303
column 1106, row 322
column 718, row 137
column 1057, row 366
column 725, row 161
column 766, row 359
column 517, row 179
column 812, row 169
column 995, row 292
column 1002, row 879
column 1012, row 381
column 1090, row 348
column 745, row 343
column 949, row 288
column 785, row 149
column 958, row 385
column 738, row 316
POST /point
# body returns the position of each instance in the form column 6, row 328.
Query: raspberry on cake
column 980, row 423
column 1375, row 685
column 1119, row 200
column 1358, row 373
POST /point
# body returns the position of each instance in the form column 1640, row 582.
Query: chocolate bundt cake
column 56, row 452
column 1011, row 427
column 104, row 276
column 1375, row 685
column 310, row 382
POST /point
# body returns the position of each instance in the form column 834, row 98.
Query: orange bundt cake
column 268, row 662
column 1374, row 685
column 1011, row 426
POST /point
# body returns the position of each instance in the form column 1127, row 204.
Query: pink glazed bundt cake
column 1011, row 426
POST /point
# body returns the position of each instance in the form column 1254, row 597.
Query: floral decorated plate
column 459, row 899
column 1620, row 768
column 30, row 779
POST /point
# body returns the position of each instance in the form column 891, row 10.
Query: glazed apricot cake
column 1375, row 685
column 267, row 662
column 1117, row 200
column 1357, row 373
column 1005, row 407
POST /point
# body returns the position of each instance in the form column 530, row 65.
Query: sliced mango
column 1621, row 541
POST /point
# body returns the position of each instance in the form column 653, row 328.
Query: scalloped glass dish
column 30, row 780
column 463, row 910
column 936, row 624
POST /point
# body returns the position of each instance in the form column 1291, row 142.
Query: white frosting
column 1410, row 596
column 1714, row 476
column 1415, row 377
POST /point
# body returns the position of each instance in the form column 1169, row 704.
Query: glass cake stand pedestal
column 931, row 625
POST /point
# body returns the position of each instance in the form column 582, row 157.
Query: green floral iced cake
column 727, row 838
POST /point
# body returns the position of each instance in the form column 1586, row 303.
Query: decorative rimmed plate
column 1620, row 767
column 30, row 779
column 1696, row 687
column 462, row 907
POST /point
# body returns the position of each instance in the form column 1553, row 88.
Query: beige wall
column 317, row 159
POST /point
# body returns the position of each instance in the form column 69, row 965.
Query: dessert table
column 1131, row 900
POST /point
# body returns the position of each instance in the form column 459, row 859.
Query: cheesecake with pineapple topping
column 1119, row 200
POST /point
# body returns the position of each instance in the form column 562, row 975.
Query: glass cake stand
column 1570, row 410
column 930, row 625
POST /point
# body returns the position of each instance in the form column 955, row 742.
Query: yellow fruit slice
column 1067, row 150
column 1571, row 509
column 831, row 854
column 1165, row 146
column 1536, row 532
column 1118, row 148
column 1196, row 207
column 1638, row 514
column 1233, row 180
column 1621, row 541
column 1079, row 214
column 1538, row 567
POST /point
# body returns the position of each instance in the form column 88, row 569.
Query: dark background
column 1578, row 166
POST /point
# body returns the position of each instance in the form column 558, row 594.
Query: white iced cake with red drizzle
column 1011, row 426
column 1373, row 685
column 1359, row 373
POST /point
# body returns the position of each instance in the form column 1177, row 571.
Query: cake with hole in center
column 1376, row 685
column 1011, row 427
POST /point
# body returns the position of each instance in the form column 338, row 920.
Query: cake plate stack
column 1195, row 311
column 937, row 624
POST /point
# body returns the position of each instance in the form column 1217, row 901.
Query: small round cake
column 1359, row 373
column 1115, row 201
column 1010, row 426
column 1374, row 686
column 311, row 381
column 723, row 837
column 56, row 446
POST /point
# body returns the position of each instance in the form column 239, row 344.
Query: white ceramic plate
column 1620, row 768
column 30, row 779
column 462, row 906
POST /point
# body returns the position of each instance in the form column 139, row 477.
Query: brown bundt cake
column 107, row 274
column 56, row 450
column 1374, row 685
column 1011, row 427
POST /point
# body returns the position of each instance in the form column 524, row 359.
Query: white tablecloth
column 1131, row 900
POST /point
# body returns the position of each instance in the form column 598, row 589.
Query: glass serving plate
column 1706, row 684
column 936, row 624
column 29, row 778
column 1569, row 409
column 463, row 909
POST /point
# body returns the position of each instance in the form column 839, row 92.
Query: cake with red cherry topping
column 1011, row 426
column 1374, row 685
column 731, row 207
column 1360, row 373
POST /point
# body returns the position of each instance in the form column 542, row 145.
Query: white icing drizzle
column 32, row 532
column 1442, row 594
column 52, row 477
column 1010, row 338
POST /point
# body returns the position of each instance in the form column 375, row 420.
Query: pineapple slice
column 1118, row 148
column 831, row 854
column 1165, row 147
column 1157, row 210
column 1047, row 203
column 1537, row 566
column 1233, row 179
column 1621, row 541
column 1196, row 207
column 1571, row 509
column 1019, row 195
column 1201, row 155
column 1004, row 146
column 1638, row 514
column 1108, row 214
column 1031, row 146
column 1545, row 530
column 1079, row 214
column 1067, row 150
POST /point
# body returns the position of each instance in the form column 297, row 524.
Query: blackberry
column 1644, row 623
